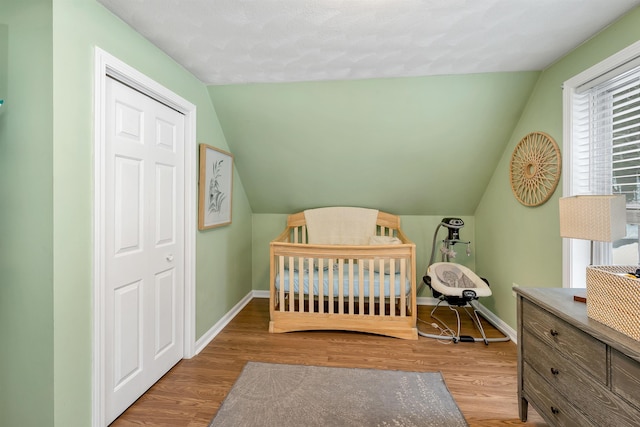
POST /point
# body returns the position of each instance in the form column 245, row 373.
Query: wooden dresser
column 574, row 370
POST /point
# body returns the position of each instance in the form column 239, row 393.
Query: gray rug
column 268, row 395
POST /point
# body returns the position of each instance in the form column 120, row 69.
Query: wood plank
column 482, row 379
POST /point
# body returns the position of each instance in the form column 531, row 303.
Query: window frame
column 573, row 250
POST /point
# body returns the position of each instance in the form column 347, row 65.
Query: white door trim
column 107, row 65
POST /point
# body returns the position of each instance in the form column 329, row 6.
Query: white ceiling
column 242, row 41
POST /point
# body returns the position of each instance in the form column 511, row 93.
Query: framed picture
column 216, row 187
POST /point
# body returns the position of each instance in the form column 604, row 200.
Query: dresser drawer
column 584, row 350
column 564, row 375
column 593, row 399
column 551, row 405
column 625, row 377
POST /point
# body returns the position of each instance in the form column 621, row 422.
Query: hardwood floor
column 481, row 378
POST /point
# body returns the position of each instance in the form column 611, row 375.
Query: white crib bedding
column 386, row 280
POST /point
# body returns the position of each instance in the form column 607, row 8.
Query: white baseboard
column 428, row 301
column 261, row 294
column 206, row 338
column 498, row 323
column 217, row 328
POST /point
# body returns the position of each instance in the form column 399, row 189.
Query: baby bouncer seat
column 456, row 285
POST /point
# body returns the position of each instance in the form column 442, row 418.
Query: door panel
column 165, row 290
column 126, row 339
column 128, row 205
column 165, row 204
column 165, row 132
column 128, row 122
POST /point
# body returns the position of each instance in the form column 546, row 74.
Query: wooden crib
column 368, row 288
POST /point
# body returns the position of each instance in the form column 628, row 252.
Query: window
column 602, row 153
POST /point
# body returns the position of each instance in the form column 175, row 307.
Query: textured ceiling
column 241, row 41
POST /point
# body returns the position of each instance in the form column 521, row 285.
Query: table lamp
column 601, row 218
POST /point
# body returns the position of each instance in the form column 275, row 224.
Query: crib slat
column 392, row 287
column 403, row 284
column 281, row 270
column 304, row 234
column 350, row 286
column 292, row 295
column 361, row 287
column 295, row 235
column 341, row 286
column 331, row 286
column 381, row 297
column 321, row 285
column 301, row 261
column 372, row 284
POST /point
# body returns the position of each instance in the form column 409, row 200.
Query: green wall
column 518, row 244
column 221, row 280
column 418, row 228
column 46, row 184
column 26, row 213
column 415, row 145
column 4, row 54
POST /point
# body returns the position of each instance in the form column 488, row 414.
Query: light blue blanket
column 386, row 279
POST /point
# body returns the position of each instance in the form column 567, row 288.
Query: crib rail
column 362, row 288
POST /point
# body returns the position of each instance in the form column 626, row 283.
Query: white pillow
column 381, row 241
column 384, row 240
column 296, row 263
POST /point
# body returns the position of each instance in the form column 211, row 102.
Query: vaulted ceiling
column 415, row 145
column 402, row 105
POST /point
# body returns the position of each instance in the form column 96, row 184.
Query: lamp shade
column 602, row 218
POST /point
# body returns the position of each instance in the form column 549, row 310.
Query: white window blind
column 606, row 142
column 606, row 154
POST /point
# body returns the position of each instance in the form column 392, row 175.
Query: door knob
column 169, row 257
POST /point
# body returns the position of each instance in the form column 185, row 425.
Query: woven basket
column 614, row 299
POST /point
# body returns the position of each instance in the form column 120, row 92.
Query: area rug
column 282, row 395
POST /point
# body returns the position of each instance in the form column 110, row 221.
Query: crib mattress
column 384, row 279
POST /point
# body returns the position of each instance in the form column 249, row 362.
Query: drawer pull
column 554, row 371
column 554, row 410
column 553, row 332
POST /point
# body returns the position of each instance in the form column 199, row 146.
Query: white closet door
column 144, row 211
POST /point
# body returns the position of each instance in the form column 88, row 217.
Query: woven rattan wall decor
column 535, row 168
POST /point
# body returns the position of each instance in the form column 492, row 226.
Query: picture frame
column 216, row 187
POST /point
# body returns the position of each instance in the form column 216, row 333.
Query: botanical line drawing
column 216, row 197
